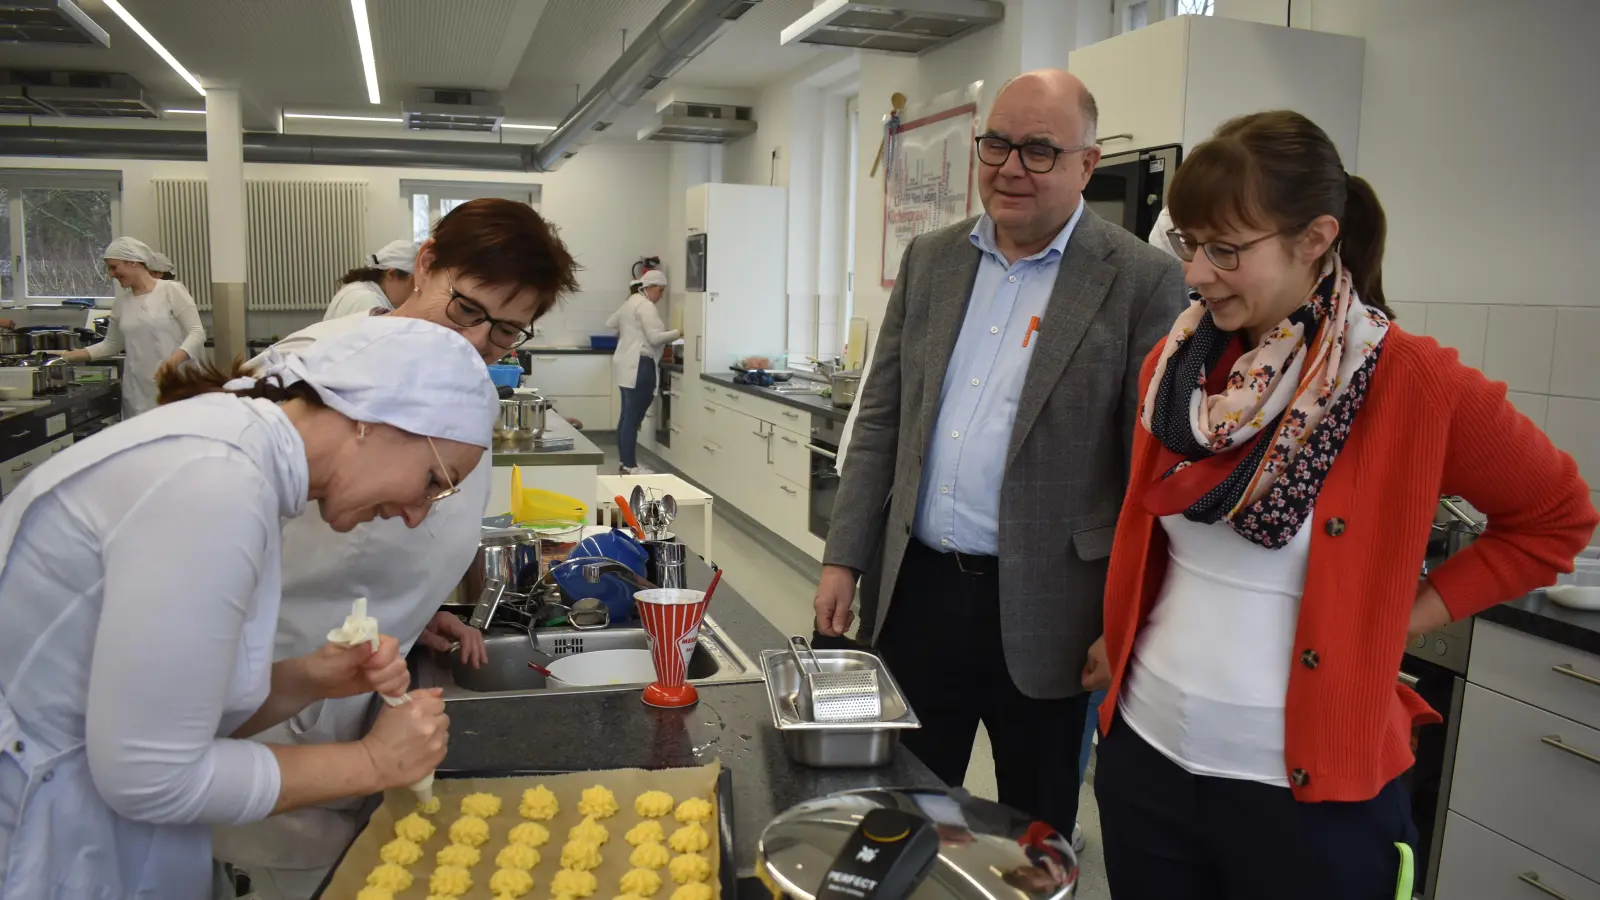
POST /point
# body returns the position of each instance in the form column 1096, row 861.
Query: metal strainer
column 850, row 696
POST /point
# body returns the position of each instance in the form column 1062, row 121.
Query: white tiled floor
column 784, row 596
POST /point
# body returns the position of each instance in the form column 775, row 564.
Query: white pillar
column 225, row 208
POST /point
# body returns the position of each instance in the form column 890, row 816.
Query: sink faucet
column 593, row 572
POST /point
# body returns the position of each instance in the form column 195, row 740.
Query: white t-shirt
column 1210, row 669
column 356, row 298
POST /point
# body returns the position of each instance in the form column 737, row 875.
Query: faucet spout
column 593, row 572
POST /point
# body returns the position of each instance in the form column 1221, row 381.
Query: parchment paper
column 627, row 784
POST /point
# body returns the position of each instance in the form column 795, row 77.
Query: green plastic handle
column 1403, row 884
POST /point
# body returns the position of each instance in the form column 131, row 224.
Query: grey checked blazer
column 1114, row 298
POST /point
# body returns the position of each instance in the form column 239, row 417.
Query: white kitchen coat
column 356, row 299
column 640, row 332
column 146, row 328
column 139, row 591
column 405, row 574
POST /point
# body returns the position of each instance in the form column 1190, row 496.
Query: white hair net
column 131, row 249
column 654, row 276
column 160, row 263
column 414, row 375
column 401, row 255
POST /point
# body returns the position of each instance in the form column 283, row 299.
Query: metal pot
column 845, row 385
column 522, row 417
column 13, row 343
column 59, row 375
column 507, row 555
column 905, row 844
column 59, row 341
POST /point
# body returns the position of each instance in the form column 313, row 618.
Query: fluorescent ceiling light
column 184, row 112
column 290, row 115
column 529, row 127
column 369, row 64
column 155, row 45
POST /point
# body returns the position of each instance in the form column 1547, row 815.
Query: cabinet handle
column 697, row 347
column 675, row 429
column 709, row 389
column 1554, row 740
column 825, row 454
column 545, row 358
column 708, row 448
column 731, row 395
column 1532, row 878
column 55, row 450
column 1409, row 680
column 790, row 440
column 786, row 488
column 1570, row 672
column 710, row 409
column 672, row 394
column 1115, row 137
column 22, row 433
column 791, row 415
column 22, row 467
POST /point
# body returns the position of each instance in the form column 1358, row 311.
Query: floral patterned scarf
column 1254, row 447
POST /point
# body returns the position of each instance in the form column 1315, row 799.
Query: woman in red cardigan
column 1293, row 447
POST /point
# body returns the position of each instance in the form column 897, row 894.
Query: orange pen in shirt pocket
column 1033, row 326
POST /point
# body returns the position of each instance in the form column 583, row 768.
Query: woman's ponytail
column 1362, row 231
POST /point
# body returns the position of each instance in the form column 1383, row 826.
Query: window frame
column 437, row 190
column 18, row 180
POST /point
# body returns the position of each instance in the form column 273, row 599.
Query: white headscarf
column 131, row 249
column 160, row 263
column 654, row 276
column 414, row 375
column 398, row 255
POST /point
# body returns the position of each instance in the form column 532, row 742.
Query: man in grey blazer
column 991, row 451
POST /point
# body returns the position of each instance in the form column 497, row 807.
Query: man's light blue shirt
column 958, row 508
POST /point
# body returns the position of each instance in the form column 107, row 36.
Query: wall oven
column 824, row 447
column 1435, row 666
column 1129, row 189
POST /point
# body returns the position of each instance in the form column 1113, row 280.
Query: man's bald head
column 1068, row 88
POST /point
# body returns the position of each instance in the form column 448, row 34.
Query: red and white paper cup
column 672, row 618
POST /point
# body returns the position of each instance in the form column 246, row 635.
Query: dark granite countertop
column 1535, row 614
column 615, row 730
column 47, row 405
column 563, row 350
column 810, row 403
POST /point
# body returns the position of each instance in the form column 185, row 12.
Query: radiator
column 301, row 236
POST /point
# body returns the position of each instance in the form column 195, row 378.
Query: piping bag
column 359, row 627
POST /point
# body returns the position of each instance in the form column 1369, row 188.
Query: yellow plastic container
column 536, row 506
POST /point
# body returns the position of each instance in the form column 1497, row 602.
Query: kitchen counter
column 1535, row 614
column 583, row 452
column 616, row 730
column 47, row 405
column 564, row 350
column 810, row 403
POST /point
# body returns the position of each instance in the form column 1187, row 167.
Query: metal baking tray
column 728, row 867
column 842, row 745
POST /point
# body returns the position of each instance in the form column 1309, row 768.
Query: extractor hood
column 901, row 26
column 699, row 123
column 100, row 95
column 48, row 22
column 452, row 109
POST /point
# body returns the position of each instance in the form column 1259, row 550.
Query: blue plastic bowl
column 611, row 590
column 505, row 375
column 602, row 342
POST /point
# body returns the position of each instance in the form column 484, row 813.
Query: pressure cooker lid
column 892, row 844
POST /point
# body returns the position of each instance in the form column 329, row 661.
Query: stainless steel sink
column 716, row 660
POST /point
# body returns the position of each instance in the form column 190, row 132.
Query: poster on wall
column 928, row 177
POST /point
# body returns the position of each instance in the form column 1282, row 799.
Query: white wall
column 609, row 201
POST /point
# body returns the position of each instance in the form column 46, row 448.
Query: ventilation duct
column 891, row 26
column 674, row 37
column 48, row 22
column 265, row 147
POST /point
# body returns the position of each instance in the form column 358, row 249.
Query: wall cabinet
column 743, row 309
column 1175, row 81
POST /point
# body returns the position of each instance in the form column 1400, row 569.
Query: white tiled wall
column 1548, row 356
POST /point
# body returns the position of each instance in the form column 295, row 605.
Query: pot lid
column 985, row 851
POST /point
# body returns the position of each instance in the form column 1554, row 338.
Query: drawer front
column 786, row 509
column 594, row 412
column 577, row 375
column 1543, row 673
column 1532, row 776
column 791, row 420
column 1478, row 864
column 791, row 459
column 19, row 434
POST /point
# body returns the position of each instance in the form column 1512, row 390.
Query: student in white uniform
column 139, row 586
column 640, row 337
column 490, row 270
column 384, row 283
column 153, row 323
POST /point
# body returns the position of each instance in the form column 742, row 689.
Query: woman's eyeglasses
column 468, row 313
column 451, row 488
column 1223, row 255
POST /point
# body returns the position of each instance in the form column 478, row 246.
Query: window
column 852, row 114
column 53, row 227
column 1138, row 15
column 1196, row 7
column 428, row 200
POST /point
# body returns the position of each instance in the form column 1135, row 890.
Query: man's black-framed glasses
column 1037, row 156
column 467, row 313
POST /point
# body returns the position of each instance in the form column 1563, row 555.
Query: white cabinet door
column 694, row 335
column 1138, row 80
column 571, row 374
column 791, row 460
column 1477, row 864
column 594, row 412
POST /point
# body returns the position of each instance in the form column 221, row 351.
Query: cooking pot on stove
column 898, row 843
column 58, row 340
column 13, row 343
